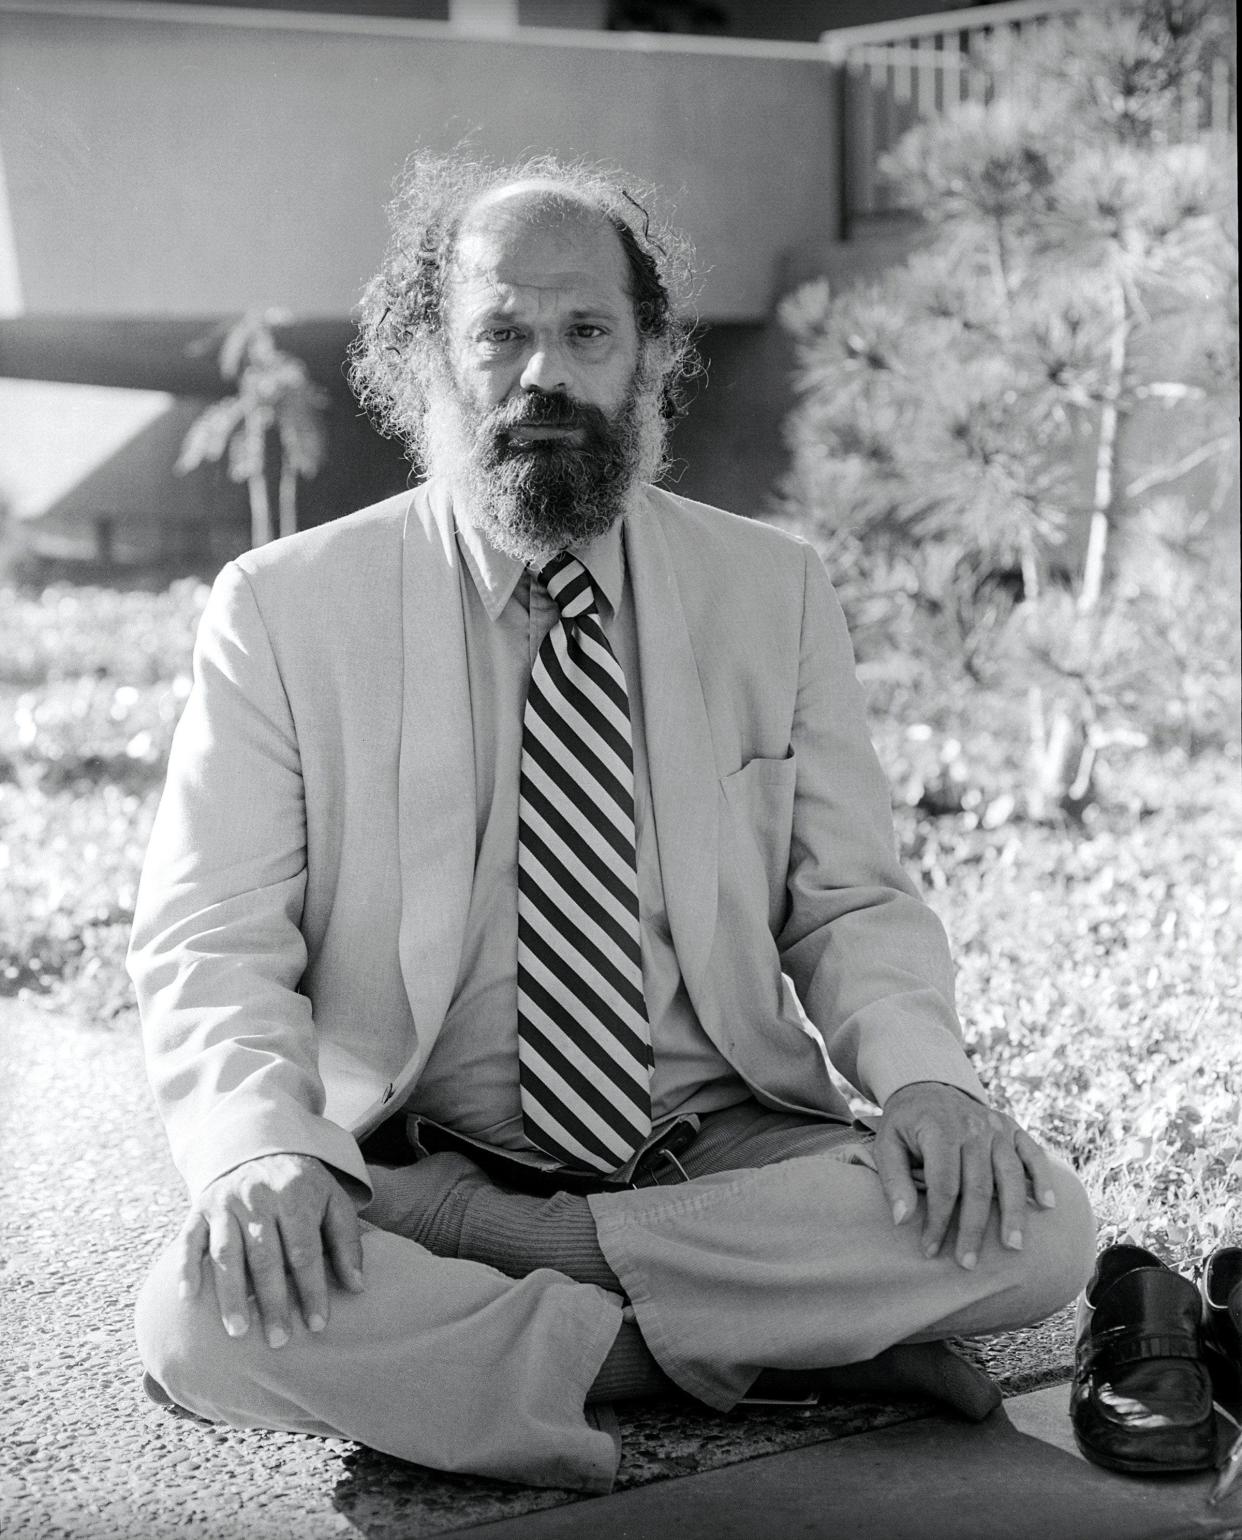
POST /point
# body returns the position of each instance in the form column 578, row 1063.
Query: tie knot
column 569, row 584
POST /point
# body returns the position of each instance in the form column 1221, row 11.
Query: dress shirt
column 470, row 1080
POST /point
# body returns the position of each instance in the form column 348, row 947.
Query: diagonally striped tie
column 584, row 1044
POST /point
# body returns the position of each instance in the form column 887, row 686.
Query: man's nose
column 545, row 369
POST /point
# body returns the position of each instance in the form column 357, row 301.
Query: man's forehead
column 541, row 235
column 530, row 199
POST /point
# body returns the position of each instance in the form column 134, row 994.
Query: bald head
column 533, row 198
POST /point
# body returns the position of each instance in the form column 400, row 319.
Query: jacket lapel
column 436, row 816
column 682, row 765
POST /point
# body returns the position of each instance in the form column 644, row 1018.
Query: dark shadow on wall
column 132, row 509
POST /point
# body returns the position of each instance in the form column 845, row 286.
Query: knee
column 180, row 1340
column 1060, row 1247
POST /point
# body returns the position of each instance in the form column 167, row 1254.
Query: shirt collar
column 496, row 575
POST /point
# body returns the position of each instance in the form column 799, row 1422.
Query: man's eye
column 498, row 335
column 588, row 331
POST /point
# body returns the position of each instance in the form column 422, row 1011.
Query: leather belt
column 405, row 1138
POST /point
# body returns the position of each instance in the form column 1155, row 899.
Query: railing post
column 845, row 143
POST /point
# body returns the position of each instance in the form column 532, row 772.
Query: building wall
column 165, row 169
column 203, row 165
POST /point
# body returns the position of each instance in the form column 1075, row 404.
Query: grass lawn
column 1098, row 967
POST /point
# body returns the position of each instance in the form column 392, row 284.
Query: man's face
column 538, row 301
column 540, row 426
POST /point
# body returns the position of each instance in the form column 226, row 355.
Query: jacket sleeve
column 217, row 954
column 868, row 958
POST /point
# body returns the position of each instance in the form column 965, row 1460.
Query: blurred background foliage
column 275, row 404
column 993, row 440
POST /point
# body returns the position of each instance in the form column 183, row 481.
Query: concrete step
column 1016, row 1476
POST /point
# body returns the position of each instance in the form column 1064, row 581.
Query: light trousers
column 790, row 1261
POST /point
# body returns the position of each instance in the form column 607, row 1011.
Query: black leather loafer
column 1142, row 1397
column 1220, row 1284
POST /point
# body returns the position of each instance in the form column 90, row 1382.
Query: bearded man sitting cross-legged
column 511, row 828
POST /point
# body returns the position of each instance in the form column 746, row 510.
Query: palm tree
column 274, row 394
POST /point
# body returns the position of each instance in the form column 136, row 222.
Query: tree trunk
column 260, row 510
column 288, row 499
column 1107, row 496
column 1055, row 756
column 1062, row 755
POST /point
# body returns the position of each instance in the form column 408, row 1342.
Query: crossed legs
column 778, row 1254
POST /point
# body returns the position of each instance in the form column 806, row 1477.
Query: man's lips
column 532, row 434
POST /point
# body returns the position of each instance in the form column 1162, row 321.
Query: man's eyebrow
column 598, row 312
column 506, row 310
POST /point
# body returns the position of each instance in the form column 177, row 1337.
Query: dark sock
column 629, row 1373
column 517, row 1233
column 929, row 1370
column 467, row 1215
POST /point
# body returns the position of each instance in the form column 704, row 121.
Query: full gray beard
column 546, row 499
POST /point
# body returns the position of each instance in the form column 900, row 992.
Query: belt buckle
column 651, row 1169
column 658, row 1165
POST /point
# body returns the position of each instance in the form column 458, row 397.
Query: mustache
column 547, row 411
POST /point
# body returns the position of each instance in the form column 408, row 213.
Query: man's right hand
column 270, row 1220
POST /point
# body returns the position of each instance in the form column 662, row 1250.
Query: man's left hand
column 971, row 1157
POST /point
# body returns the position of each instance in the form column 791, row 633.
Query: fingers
column 973, row 1159
column 303, row 1250
column 228, row 1266
column 265, row 1260
column 265, row 1224
column 1038, row 1168
column 1010, row 1179
column 942, row 1176
column 892, row 1162
column 191, row 1247
column 974, row 1200
column 344, row 1239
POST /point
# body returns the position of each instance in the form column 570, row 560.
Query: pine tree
column 972, row 448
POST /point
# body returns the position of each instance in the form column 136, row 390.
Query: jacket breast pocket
column 758, row 807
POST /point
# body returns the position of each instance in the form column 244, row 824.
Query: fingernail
column 931, row 1249
column 277, row 1336
column 968, row 1260
column 899, row 1211
column 1014, row 1240
column 236, row 1325
column 183, row 1289
column 355, row 1277
column 1049, row 1199
column 316, row 1322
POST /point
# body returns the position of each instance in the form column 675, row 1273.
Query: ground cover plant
column 1097, row 960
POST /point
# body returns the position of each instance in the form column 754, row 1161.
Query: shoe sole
column 1131, row 1467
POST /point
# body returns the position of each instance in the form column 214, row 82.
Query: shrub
column 975, row 449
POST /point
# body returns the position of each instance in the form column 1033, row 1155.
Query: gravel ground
column 88, row 1196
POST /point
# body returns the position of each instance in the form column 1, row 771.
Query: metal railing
column 892, row 74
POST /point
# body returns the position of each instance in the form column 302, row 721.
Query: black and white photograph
column 620, row 770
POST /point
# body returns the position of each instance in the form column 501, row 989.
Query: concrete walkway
column 88, row 1196
column 1015, row 1477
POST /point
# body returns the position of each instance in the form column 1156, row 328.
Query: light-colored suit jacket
column 301, row 912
